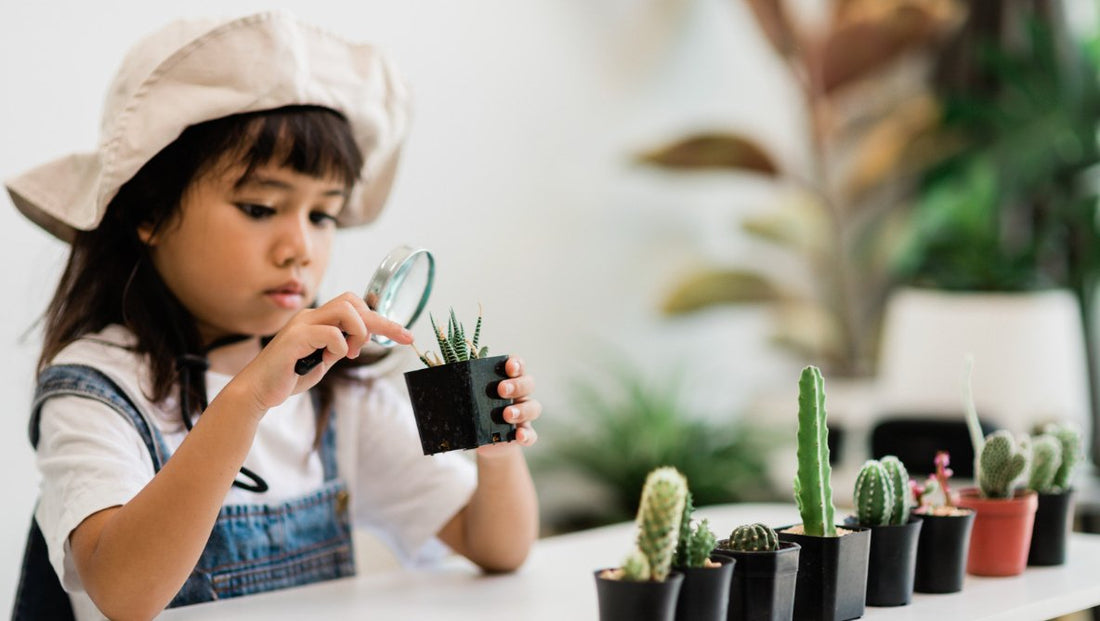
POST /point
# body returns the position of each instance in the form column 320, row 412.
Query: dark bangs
column 310, row 140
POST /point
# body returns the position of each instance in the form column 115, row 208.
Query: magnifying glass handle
column 305, row 365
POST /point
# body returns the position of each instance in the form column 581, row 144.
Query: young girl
column 182, row 458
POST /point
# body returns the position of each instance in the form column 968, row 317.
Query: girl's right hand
column 341, row 327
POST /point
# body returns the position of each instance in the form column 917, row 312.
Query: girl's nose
column 295, row 245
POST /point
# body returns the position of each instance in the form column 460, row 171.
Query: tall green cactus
column 1001, row 462
column 874, row 494
column 899, row 477
column 813, row 490
column 659, row 516
column 752, row 538
column 1046, row 458
column 1070, row 438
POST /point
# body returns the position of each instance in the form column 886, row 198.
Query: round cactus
column 753, row 538
column 1001, row 462
column 1046, row 458
column 874, row 494
column 899, row 477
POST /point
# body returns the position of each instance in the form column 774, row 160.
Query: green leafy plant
column 871, row 116
column 632, row 423
column 453, row 344
column 813, row 489
column 751, row 538
column 659, row 513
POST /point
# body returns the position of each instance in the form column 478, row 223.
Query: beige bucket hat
column 197, row 70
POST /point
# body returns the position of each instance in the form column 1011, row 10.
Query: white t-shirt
column 91, row 458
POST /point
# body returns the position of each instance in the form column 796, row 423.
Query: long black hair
column 110, row 279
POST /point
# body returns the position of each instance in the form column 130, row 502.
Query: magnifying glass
column 398, row 291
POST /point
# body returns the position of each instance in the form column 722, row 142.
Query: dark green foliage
column 453, row 344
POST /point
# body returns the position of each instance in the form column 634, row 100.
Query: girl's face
column 244, row 257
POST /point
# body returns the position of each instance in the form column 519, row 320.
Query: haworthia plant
column 813, row 490
column 453, row 344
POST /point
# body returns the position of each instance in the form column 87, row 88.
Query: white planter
column 1028, row 348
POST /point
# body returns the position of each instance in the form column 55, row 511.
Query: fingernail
column 513, row 414
column 505, row 389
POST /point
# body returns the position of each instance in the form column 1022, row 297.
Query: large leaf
column 895, row 144
column 713, row 151
column 799, row 222
column 772, row 17
column 870, row 35
column 711, row 287
column 809, row 329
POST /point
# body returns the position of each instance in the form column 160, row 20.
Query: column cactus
column 659, row 515
column 874, row 494
column 899, row 477
column 1000, row 463
column 752, row 538
column 813, row 490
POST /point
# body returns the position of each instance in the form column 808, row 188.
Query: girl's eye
column 321, row 218
column 256, row 212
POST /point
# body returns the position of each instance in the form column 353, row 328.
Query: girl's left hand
column 524, row 409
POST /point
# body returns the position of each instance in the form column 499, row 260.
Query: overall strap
column 328, row 438
column 84, row 381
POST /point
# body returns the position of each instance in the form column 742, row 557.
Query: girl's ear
column 147, row 234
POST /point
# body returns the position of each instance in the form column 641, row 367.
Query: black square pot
column 832, row 574
column 623, row 600
column 457, row 405
column 942, row 550
column 763, row 583
column 705, row 593
column 892, row 563
column 1053, row 523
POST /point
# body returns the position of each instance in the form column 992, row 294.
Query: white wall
column 517, row 175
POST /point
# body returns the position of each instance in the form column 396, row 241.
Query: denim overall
column 252, row 548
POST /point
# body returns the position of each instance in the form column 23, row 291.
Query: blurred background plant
column 864, row 75
column 628, row 424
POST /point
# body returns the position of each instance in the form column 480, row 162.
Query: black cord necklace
column 185, row 364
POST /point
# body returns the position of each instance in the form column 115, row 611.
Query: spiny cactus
column 813, row 490
column 1070, row 438
column 899, row 477
column 635, row 567
column 1046, row 458
column 698, row 545
column 453, row 344
column 752, row 538
column 874, row 494
column 659, row 515
column 1001, row 462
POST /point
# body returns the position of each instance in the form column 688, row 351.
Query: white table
column 557, row 584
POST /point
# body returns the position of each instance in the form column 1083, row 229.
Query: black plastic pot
column 457, row 405
column 892, row 563
column 704, row 595
column 832, row 574
column 623, row 600
column 1053, row 523
column 763, row 584
column 941, row 552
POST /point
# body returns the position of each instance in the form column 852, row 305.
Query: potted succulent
column 455, row 400
column 645, row 588
column 764, row 578
column 1005, row 517
column 704, row 595
column 1055, row 453
column 882, row 504
column 944, row 535
column 832, row 564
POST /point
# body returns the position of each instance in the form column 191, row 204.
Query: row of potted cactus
column 904, row 536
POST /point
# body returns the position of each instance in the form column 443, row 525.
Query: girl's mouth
column 290, row 296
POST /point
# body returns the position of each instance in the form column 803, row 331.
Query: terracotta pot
column 1053, row 523
column 1001, row 536
column 623, row 600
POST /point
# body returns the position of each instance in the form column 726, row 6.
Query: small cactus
column 1001, row 462
column 813, row 490
column 635, row 567
column 1046, row 458
column 753, row 538
column 696, row 540
column 899, row 477
column 874, row 494
column 659, row 515
column 1070, row 438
